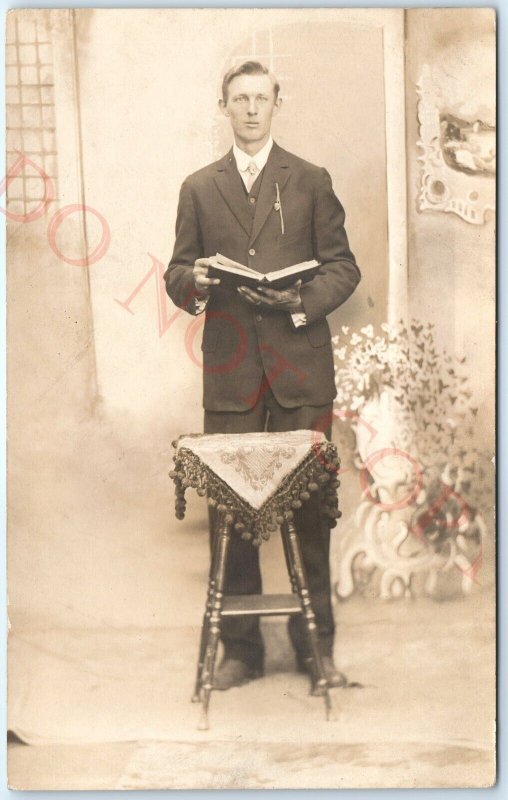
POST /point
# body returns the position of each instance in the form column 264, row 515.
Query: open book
column 232, row 274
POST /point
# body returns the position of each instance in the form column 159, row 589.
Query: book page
column 292, row 270
column 221, row 261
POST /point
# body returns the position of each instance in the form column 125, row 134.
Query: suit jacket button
column 252, row 200
column 252, row 252
column 259, row 317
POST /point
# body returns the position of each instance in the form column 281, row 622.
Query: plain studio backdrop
column 102, row 373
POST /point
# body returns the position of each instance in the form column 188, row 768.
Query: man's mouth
column 252, row 124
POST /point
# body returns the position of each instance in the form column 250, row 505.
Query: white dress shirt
column 243, row 160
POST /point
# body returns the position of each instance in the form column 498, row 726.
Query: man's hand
column 284, row 300
column 201, row 280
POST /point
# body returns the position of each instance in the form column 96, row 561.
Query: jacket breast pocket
column 303, row 234
column 318, row 335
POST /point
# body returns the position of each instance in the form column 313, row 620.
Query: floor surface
column 423, row 716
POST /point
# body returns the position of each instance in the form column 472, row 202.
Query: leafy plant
column 432, row 399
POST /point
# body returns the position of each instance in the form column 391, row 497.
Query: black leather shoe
column 233, row 672
column 334, row 677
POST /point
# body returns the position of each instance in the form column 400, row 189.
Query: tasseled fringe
column 316, row 473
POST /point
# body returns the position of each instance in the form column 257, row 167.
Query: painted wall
column 451, row 261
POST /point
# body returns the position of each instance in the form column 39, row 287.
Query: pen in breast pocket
column 278, row 207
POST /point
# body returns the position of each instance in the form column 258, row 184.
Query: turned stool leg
column 202, row 648
column 211, row 640
column 196, row 697
column 297, row 574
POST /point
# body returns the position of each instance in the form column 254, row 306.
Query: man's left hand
column 284, row 300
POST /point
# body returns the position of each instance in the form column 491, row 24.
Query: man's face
column 250, row 106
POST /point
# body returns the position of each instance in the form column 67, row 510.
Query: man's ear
column 222, row 106
column 277, row 105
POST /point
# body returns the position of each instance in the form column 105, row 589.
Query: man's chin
column 255, row 131
column 252, row 135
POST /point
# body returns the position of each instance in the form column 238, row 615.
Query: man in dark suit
column 267, row 355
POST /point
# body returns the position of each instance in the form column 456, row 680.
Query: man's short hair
column 248, row 68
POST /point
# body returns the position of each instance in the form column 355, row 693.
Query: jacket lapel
column 229, row 183
column 276, row 171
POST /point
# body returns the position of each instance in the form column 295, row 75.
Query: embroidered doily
column 258, row 478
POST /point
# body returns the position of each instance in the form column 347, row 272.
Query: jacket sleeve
column 188, row 247
column 339, row 274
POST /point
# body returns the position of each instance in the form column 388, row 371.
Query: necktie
column 253, row 171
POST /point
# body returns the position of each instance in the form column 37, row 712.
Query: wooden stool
column 219, row 606
column 254, row 481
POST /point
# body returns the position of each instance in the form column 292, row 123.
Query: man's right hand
column 202, row 282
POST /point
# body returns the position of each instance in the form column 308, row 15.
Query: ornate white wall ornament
column 458, row 162
column 383, row 542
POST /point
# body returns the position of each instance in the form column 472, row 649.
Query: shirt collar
column 243, row 159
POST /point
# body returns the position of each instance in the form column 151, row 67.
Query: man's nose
column 253, row 108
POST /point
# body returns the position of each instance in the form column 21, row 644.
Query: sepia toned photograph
column 251, row 297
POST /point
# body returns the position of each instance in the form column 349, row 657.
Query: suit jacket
column 241, row 344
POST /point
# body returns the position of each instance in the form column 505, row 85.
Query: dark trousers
column 241, row 636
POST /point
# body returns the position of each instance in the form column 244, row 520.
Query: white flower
column 335, row 339
column 368, row 331
column 355, row 339
column 356, row 402
column 340, row 353
column 345, row 329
